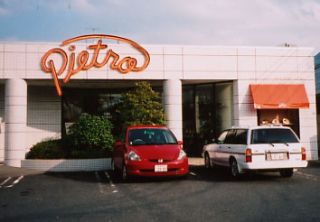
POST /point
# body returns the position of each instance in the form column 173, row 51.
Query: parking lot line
column 100, row 183
column 5, row 181
column 114, row 188
column 16, row 181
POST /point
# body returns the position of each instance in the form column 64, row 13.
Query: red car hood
column 166, row 152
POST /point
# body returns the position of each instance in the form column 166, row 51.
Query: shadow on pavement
column 314, row 164
column 197, row 172
column 222, row 174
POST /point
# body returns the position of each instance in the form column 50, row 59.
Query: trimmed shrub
column 91, row 133
column 90, row 137
column 51, row 149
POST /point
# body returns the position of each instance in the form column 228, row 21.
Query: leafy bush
column 91, row 133
column 90, row 137
column 50, row 149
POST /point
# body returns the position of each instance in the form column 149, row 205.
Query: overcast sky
column 183, row 22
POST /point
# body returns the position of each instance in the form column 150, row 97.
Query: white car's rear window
column 260, row 136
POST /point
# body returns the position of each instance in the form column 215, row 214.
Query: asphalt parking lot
column 204, row 195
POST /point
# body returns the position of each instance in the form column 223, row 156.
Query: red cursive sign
column 75, row 63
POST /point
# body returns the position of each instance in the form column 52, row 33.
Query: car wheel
column 234, row 168
column 286, row 172
column 207, row 162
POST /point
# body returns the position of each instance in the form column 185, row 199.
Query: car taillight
column 248, row 155
column 303, row 154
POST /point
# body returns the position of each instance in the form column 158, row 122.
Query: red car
column 150, row 151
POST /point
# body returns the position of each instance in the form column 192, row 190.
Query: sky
column 180, row 22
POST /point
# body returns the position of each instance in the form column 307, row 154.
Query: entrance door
column 207, row 110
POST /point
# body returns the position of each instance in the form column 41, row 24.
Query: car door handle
column 229, row 147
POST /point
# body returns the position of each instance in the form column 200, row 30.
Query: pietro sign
column 73, row 62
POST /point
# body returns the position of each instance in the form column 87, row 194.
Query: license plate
column 277, row 156
column 160, row 168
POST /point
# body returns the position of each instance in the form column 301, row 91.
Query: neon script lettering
column 75, row 63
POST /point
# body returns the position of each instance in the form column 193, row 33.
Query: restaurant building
column 44, row 87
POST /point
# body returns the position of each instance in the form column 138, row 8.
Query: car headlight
column 182, row 154
column 133, row 156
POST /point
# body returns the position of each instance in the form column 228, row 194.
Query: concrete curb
column 68, row 165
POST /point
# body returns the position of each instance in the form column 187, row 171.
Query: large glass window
column 223, row 105
column 204, row 112
column 207, row 110
column 95, row 102
column 286, row 117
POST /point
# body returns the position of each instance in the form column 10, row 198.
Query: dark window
column 285, row 117
column 273, row 136
column 207, row 111
column 222, row 137
column 150, row 136
column 241, row 136
column 230, row 137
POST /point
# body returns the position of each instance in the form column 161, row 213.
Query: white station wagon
column 265, row 148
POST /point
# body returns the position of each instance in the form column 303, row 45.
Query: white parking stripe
column 99, row 184
column 5, row 181
column 15, row 182
column 111, row 183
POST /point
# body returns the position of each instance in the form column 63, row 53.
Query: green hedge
column 90, row 137
column 51, row 149
column 91, row 132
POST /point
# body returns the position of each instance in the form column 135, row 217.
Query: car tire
column 234, row 169
column 207, row 162
column 286, row 172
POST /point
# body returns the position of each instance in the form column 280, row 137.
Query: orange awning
column 279, row 96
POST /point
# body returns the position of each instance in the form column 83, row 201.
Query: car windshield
column 151, row 136
column 273, row 136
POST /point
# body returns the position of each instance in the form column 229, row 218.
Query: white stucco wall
column 2, row 122
column 43, row 115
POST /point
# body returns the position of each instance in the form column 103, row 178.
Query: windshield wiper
column 279, row 141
